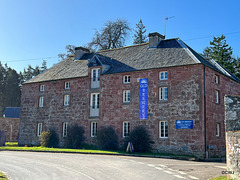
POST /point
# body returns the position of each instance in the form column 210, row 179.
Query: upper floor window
column 42, row 88
column 163, row 75
column 65, row 129
column 217, row 97
column 67, row 85
column 66, row 100
column 126, row 96
column 126, row 128
column 163, row 93
column 126, row 79
column 163, row 129
column 39, row 129
column 95, row 101
column 41, row 99
column 216, row 79
column 96, row 74
column 93, row 129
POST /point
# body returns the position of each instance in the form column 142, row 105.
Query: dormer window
column 42, row 88
column 163, row 75
column 67, row 85
column 126, row 79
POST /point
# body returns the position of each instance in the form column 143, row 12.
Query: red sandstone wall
column 11, row 127
column 216, row 112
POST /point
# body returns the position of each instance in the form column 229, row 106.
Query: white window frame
column 164, row 129
column 126, row 128
column 41, row 101
column 126, row 96
column 217, row 99
column 95, row 100
column 67, row 85
column 216, row 79
column 93, row 129
column 65, row 125
column 217, row 129
column 163, row 94
column 39, row 129
column 66, row 100
column 42, row 88
column 95, row 74
column 126, row 79
column 163, row 75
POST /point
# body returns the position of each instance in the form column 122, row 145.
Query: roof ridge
column 142, row 44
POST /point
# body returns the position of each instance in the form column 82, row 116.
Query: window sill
column 163, row 101
column 163, row 138
column 126, row 103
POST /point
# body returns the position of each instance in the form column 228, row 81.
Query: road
column 39, row 165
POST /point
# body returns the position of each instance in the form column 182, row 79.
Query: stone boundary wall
column 232, row 121
column 11, row 128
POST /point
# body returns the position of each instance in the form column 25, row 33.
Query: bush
column 107, row 138
column 49, row 139
column 140, row 139
column 75, row 137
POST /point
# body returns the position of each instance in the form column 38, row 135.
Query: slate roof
column 169, row 53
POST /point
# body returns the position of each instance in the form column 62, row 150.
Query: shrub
column 107, row 138
column 75, row 137
column 49, row 139
column 140, row 139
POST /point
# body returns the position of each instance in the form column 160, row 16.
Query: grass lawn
column 221, row 178
column 3, row 176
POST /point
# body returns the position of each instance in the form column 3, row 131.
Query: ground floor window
column 39, row 129
column 163, row 129
column 65, row 129
column 126, row 128
column 93, row 129
column 218, row 129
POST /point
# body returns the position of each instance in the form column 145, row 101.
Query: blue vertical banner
column 143, row 99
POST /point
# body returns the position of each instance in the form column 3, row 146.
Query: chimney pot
column 154, row 39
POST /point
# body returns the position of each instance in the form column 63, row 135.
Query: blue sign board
column 184, row 124
column 143, row 99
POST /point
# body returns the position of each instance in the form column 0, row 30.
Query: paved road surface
column 34, row 166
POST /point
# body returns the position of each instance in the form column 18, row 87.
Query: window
column 96, row 74
column 93, row 129
column 95, row 100
column 39, row 129
column 66, row 100
column 41, row 101
column 163, row 129
column 67, row 85
column 217, row 97
column 126, row 96
column 163, row 75
column 218, row 129
column 216, row 79
column 126, row 128
column 41, row 88
column 65, row 129
column 126, row 79
column 163, row 93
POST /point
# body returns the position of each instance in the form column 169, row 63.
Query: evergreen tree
column 139, row 36
column 221, row 52
column 31, row 72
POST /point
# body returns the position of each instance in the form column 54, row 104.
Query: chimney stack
column 79, row 52
column 154, row 39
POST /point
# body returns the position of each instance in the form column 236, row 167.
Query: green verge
column 221, row 178
column 3, row 176
column 13, row 146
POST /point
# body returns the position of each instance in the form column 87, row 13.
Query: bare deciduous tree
column 112, row 35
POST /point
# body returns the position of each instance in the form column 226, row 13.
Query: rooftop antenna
column 165, row 19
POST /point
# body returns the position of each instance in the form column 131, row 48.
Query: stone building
column 183, row 109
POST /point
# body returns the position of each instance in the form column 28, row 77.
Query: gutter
column 204, row 111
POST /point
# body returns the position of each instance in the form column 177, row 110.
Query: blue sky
column 31, row 31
